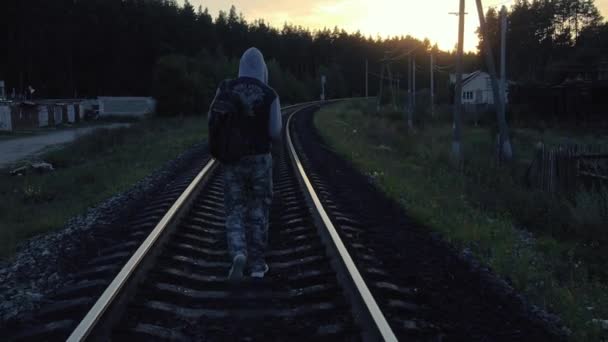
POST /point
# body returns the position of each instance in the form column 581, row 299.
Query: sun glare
column 418, row 18
column 426, row 19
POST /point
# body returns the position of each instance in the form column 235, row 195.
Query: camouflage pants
column 247, row 199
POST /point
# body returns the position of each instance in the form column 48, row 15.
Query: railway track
column 173, row 286
column 335, row 272
column 339, row 270
column 312, row 291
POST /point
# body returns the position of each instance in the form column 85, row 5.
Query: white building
column 126, row 106
column 477, row 88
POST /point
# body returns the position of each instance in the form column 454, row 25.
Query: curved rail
column 365, row 300
column 128, row 272
column 93, row 317
column 103, row 314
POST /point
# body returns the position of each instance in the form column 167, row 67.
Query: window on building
column 467, row 95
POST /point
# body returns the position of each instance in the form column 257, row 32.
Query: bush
column 289, row 88
column 180, row 86
column 486, row 208
column 186, row 85
column 590, row 212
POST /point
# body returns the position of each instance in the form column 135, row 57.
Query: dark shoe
column 259, row 272
column 238, row 265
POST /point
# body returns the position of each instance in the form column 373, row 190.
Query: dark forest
column 178, row 53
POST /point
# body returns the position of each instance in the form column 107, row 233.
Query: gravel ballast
column 43, row 263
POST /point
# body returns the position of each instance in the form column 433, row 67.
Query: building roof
column 469, row 77
column 466, row 78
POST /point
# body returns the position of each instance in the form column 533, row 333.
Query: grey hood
column 253, row 65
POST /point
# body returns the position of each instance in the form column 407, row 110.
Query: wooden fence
column 567, row 169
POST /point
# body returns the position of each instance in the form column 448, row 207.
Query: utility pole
column 323, row 79
column 456, row 139
column 432, row 87
column 410, row 123
column 505, row 150
column 366, row 78
column 414, row 84
column 380, row 90
column 394, row 92
column 398, row 88
column 503, row 54
column 391, row 81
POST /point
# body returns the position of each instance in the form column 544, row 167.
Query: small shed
column 67, row 112
column 43, row 115
column 477, row 88
column 57, row 114
column 25, row 116
column 61, row 111
column 6, row 123
column 126, row 106
column 87, row 109
column 73, row 110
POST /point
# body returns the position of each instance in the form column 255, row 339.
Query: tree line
column 178, row 53
column 550, row 40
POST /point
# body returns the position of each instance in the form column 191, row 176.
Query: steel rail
column 86, row 326
column 371, row 306
column 90, row 322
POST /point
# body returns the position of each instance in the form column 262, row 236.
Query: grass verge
column 89, row 170
column 484, row 208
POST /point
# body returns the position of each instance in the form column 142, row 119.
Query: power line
column 499, row 3
column 404, row 54
column 449, row 66
column 385, row 78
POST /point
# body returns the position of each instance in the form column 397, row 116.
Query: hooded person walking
column 248, row 180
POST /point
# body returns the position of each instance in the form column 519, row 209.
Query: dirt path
column 13, row 150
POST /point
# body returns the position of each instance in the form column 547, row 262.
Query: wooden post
column 506, row 149
column 456, row 139
column 378, row 103
column 366, row 78
column 410, row 116
column 413, row 90
column 432, row 87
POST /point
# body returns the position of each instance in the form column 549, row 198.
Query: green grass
column 483, row 208
column 89, row 170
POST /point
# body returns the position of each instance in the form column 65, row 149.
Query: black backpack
column 226, row 140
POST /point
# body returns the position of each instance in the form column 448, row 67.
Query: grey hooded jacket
column 252, row 65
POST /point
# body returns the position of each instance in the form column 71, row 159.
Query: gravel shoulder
column 466, row 299
column 42, row 264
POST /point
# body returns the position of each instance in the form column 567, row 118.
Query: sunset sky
column 419, row 18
